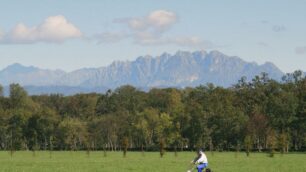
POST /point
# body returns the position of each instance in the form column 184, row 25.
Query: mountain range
column 178, row 70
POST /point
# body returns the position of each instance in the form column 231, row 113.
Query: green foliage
column 262, row 114
column 18, row 97
column 1, row 91
column 73, row 132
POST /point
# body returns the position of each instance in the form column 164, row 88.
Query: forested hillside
column 259, row 115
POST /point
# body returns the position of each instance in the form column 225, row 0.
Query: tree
column 260, row 114
column 106, row 103
column 18, row 96
column 15, row 130
column 1, row 91
column 248, row 144
column 125, row 145
column 40, row 127
column 256, row 127
column 162, row 146
column 73, row 133
column 299, row 123
column 226, row 120
column 151, row 115
column 141, row 131
column 81, row 105
column 195, row 125
column 281, row 110
column 283, row 142
column 109, row 129
column 271, row 141
column 4, row 116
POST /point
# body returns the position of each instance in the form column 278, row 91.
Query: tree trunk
column 142, row 150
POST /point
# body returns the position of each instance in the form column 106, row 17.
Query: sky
column 70, row 34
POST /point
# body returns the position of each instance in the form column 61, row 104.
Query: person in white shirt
column 201, row 160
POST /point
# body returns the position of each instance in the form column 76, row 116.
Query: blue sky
column 68, row 35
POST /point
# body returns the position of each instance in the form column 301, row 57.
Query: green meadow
column 25, row 161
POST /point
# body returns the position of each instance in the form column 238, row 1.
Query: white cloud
column 161, row 19
column 53, row 29
column 156, row 21
column 151, row 30
column 137, row 24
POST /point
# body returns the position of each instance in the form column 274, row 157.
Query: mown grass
column 24, row 161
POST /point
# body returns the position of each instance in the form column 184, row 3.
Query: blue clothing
column 201, row 167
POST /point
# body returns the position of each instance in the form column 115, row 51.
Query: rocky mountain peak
column 181, row 69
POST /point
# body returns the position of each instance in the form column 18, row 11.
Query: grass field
column 151, row 162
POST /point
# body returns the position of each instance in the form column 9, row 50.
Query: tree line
column 261, row 114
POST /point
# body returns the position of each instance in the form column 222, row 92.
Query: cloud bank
column 156, row 21
column 151, row 30
column 53, row 29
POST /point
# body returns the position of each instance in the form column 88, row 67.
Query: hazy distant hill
column 17, row 73
column 178, row 70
